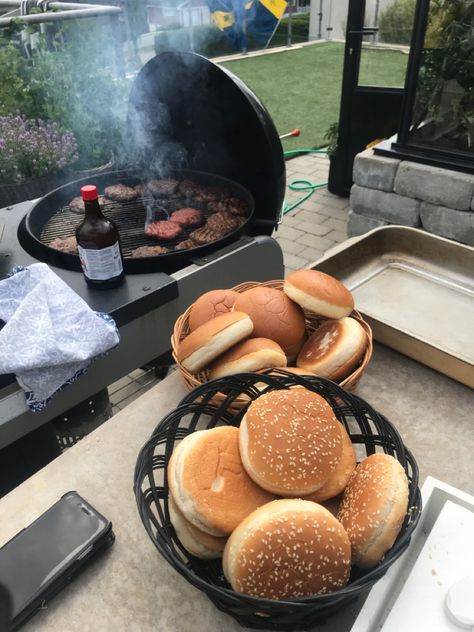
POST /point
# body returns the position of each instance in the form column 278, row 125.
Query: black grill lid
column 186, row 112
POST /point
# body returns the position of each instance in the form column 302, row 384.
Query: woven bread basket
column 313, row 321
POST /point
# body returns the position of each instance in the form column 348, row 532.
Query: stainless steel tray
column 416, row 290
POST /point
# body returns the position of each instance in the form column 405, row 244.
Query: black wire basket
column 370, row 432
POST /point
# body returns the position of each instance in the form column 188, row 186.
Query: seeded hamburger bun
column 338, row 480
column 334, row 349
column 208, row 341
column 373, row 508
column 208, row 482
column 251, row 355
column 319, row 293
column 287, row 548
column 274, row 316
column 210, row 305
column 290, row 441
column 196, row 542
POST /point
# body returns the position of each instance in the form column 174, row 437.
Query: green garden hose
column 302, row 185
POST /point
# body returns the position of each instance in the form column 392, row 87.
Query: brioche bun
column 338, row 480
column 251, row 355
column 290, row 441
column 319, row 293
column 208, row 482
column 275, row 317
column 210, row 305
column 373, row 507
column 196, row 542
column 334, row 349
column 208, row 341
column 286, row 549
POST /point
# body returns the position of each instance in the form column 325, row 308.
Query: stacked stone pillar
column 390, row 191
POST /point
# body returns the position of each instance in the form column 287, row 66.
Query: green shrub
column 68, row 80
column 396, row 22
column 299, row 30
column 207, row 40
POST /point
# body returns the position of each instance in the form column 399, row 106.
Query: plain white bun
column 251, row 355
column 195, row 541
column 290, row 441
column 334, row 349
column 319, row 293
column 207, row 342
column 210, row 305
column 208, row 482
column 274, row 316
column 286, row 549
column 373, row 507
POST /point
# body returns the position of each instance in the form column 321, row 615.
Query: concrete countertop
column 133, row 589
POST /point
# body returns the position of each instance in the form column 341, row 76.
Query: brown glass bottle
column 98, row 244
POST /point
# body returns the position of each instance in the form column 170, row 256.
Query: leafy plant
column 33, row 148
column 396, row 22
column 70, row 79
column 331, row 138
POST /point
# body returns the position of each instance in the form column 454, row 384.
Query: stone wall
column 390, row 191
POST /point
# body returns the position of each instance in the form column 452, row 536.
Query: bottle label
column 103, row 264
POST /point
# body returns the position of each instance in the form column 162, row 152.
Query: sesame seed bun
column 334, row 349
column 319, row 293
column 338, row 480
column 208, row 482
column 251, row 355
column 373, row 507
column 286, row 549
column 290, row 441
column 196, row 542
column 207, row 342
column 210, row 305
column 274, row 316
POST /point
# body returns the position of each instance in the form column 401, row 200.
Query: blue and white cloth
column 50, row 336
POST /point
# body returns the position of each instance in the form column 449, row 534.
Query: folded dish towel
column 50, row 336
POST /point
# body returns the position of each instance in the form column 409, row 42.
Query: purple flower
column 32, row 148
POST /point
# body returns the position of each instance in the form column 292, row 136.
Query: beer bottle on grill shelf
column 98, row 243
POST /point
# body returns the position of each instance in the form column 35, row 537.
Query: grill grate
column 130, row 217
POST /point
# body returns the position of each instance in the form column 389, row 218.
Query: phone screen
column 39, row 553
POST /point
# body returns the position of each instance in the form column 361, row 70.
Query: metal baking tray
column 416, row 290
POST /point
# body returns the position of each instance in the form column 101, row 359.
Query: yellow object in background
column 276, row 7
column 223, row 19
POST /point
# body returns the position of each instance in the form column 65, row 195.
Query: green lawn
column 301, row 87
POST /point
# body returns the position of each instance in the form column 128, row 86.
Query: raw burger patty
column 165, row 230
column 187, row 216
column 120, row 193
column 64, row 244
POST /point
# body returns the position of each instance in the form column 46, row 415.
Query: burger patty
column 205, row 235
column 164, row 230
column 184, row 245
column 77, row 204
column 223, row 222
column 64, row 244
column 233, row 205
column 141, row 189
column 162, row 187
column 187, row 217
column 120, row 193
column 148, row 251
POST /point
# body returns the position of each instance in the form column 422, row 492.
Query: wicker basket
column 369, row 431
column 313, row 321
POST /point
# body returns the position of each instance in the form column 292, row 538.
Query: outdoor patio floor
column 305, row 234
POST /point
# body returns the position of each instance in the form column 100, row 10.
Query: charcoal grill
column 51, row 217
column 187, row 118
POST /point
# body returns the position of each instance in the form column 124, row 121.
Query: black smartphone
column 43, row 558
